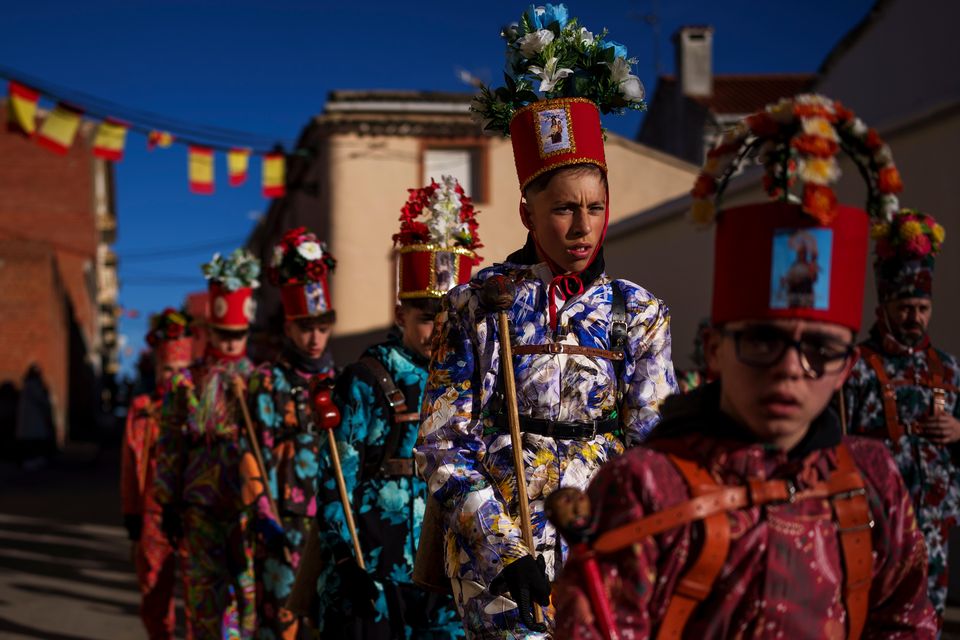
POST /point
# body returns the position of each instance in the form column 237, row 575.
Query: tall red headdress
column 231, row 284
column 301, row 267
column 437, row 240
column 803, row 258
column 169, row 336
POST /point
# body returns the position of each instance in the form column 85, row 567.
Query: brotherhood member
column 748, row 513
column 379, row 399
column 904, row 390
column 591, row 354
column 288, row 438
column 155, row 559
column 198, row 470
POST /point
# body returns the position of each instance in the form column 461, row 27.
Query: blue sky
column 266, row 68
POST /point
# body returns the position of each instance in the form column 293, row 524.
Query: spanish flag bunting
column 274, row 175
column 200, row 161
column 23, row 107
column 237, row 162
column 110, row 140
column 60, row 128
column 162, row 139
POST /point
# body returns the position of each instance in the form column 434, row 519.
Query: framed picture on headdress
column 800, row 269
column 554, row 125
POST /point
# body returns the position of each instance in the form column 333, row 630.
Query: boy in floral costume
column 591, row 354
column 379, row 399
column 155, row 559
column 904, row 390
column 198, row 470
column 287, row 436
column 748, row 513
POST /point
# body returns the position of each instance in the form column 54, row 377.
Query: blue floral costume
column 466, row 455
column 388, row 508
column 290, row 444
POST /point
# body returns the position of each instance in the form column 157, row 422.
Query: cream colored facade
column 368, row 180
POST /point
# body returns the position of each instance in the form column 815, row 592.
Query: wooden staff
column 498, row 294
column 327, row 417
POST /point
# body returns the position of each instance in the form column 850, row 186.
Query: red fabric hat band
column 553, row 133
column 428, row 271
column 179, row 350
column 773, row 261
column 231, row 309
column 306, row 300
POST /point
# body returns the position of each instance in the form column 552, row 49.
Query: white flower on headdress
column 824, row 171
column 310, row 251
column 533, row 43
column 820, row 127
column 629, row 84
column 549, row 74
column 581, row 36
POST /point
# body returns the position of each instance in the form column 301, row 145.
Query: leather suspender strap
column 851, row 511
column 697, row 582
column 393, row 395
column 938, row 373
column 556, row 348
column 386, row 464
column 889, row 396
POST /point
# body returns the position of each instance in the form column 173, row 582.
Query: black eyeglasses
column 764, row 346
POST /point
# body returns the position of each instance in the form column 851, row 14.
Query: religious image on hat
column 232, row 280
column 301, row 266
column 559, row 78
column 905, row 255
column 802, row 254
column 437, row 241
column 169, row 336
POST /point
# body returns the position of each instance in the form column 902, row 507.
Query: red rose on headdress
column 762, row 124
column 815, row 145
column 873, row 141
column 820, row 202
column 843, row 114
column 888, row 180
column 292, row 237
column 316, row 269
column 919, row 245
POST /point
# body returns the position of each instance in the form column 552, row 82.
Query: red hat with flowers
column 169, row 336
column 437, row 241
column 301, row 267
column 559, row 78
column 905, row 255
column 802, row 255
column 232, row 280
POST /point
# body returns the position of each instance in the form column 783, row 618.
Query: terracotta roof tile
column 742, row 94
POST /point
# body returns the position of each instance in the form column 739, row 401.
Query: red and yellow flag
column 237, row 162
column 22, row 107
column 110, row 139
column 60, row 128
column 162, row 139
column 274, row 175
column 200, row 161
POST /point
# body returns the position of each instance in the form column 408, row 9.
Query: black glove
column 526, row 580
column 358, row 591
column 133, row 523
column 172, row 524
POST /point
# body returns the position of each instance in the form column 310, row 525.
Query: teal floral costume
column 290, row 444
column 388, row 507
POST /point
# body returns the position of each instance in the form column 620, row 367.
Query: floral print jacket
column 468, row 460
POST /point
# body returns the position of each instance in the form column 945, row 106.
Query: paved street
column 64, row 567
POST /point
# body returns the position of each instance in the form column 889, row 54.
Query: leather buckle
column 554, row 348
column 396, row 398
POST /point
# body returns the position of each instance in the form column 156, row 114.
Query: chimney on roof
column 694, row 51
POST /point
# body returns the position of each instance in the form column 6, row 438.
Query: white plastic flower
column 629, row 84
column 533, row 43
column 549, row 75
column 310, row 251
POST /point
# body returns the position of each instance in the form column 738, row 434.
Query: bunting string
column 59, row 127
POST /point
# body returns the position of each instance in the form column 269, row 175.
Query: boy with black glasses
column 748, row 513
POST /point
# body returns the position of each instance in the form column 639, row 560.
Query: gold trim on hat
column 565, row 163
column 433, row 249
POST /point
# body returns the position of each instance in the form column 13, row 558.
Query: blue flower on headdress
column 619, row 50
column 543, row 17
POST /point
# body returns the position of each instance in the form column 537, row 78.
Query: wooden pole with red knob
column 327, row 417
